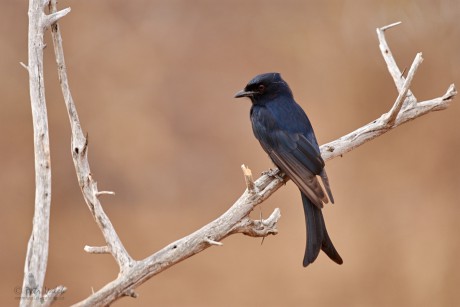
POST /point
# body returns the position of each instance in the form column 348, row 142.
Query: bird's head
column 265, row 87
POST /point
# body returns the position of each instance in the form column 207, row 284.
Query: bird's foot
column 275, row 173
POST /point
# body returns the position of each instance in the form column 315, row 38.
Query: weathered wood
column 37, row 248
column 235, row 220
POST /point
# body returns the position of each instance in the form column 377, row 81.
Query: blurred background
column 154, row 81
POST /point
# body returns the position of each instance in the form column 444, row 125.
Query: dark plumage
column 286, row 134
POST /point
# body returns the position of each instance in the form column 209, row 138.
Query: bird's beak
column 244, row 93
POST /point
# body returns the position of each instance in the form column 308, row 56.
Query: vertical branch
column 37, row 248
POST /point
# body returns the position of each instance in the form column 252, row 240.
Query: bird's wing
column 289, row 148
column 300, row 161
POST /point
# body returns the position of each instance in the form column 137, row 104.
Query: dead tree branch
column 401, row 112
column 236, row 219
column 37, row 248
column 79, row 150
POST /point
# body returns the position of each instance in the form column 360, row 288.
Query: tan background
column 154, row 81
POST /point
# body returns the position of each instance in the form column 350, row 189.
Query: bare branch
column 80, row 158
column 409, row 110
column 54, row 17
column 37, row 248
column 390, row 61
column 236, row 218
column 390, row 117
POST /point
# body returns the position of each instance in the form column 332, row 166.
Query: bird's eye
column 261, row 88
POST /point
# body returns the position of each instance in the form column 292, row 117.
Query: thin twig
column 390, row 26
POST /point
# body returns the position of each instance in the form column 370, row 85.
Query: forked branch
column 236, row 219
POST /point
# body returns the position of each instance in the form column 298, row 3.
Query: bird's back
column 281, row 113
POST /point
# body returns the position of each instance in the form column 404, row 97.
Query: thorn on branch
column 212, row 242
column 24, row 65
column 105, row 193
column 384, row 28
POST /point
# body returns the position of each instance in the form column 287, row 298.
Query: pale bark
column 37, row 248
column 235, row 220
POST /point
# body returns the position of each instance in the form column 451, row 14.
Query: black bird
column 286, row 135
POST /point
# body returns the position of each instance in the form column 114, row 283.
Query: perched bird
column 286, row 135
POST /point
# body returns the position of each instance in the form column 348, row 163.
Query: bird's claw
column 275, row 173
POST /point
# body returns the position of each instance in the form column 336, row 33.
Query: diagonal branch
column 393, row 68
column 54, row 17
column 236, row 218
column 390, row 117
